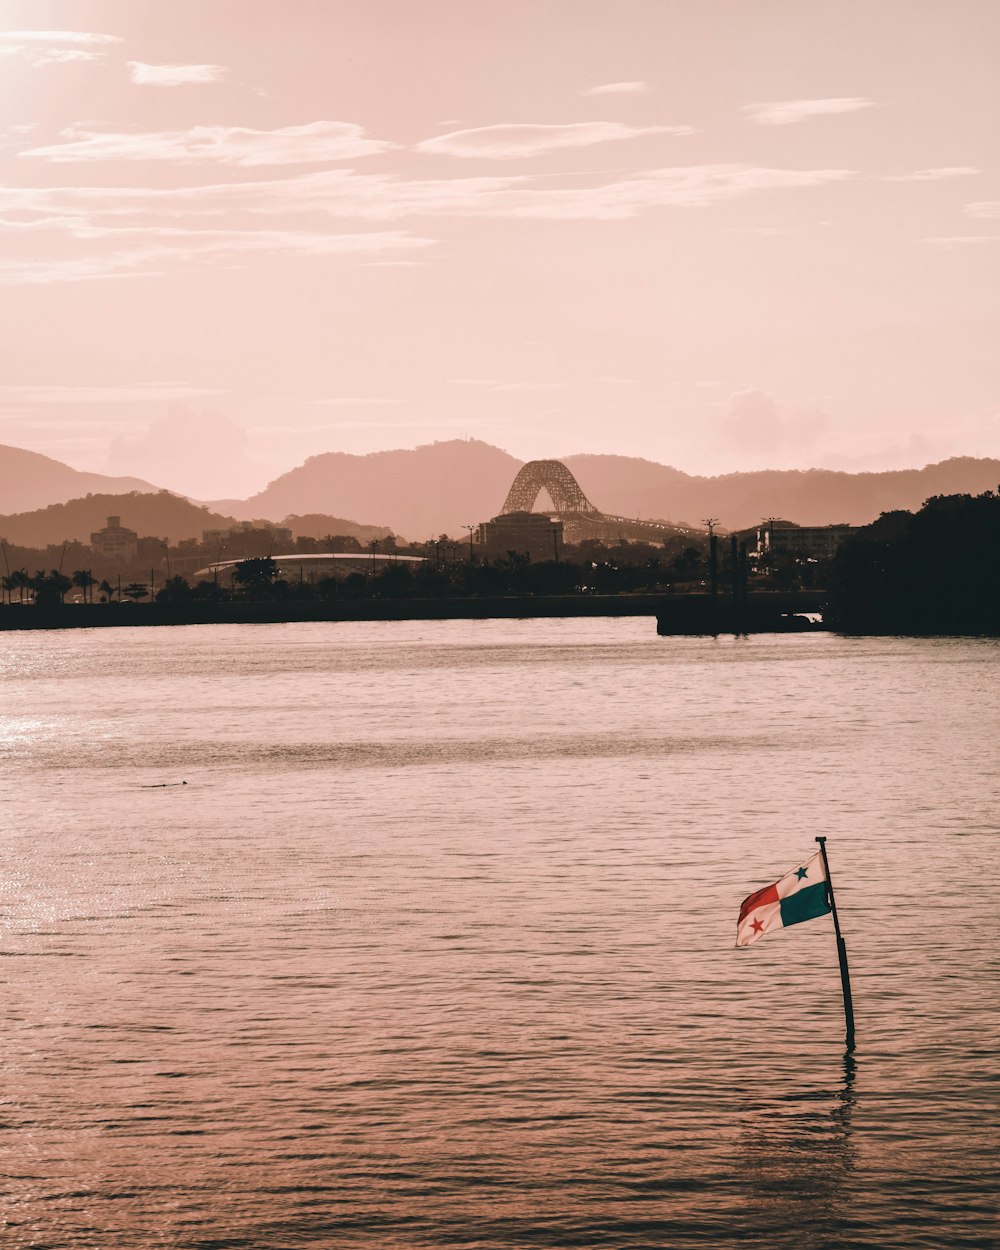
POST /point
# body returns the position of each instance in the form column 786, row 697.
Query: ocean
column 421, row 934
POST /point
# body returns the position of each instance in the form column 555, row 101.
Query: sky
column 719, row 234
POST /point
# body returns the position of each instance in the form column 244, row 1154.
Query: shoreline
column 675, row 614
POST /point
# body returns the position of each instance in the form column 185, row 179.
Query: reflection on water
column 435, row 946
column 797, row 1155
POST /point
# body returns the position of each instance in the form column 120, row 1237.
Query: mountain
column 319, row 525
column 418, row 493
column 29, row 481
column 442, row 487
column 160, row 514
column 626, row 486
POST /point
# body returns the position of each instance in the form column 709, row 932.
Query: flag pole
column 845, row 976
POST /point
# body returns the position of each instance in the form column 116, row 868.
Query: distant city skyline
column 235, row 234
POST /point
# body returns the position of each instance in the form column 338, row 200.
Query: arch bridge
column 580, row 518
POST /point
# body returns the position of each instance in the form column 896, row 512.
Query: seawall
column 682, row 614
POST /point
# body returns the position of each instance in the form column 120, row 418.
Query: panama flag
column 799, row 895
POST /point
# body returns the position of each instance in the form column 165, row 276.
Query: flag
column 800, row 895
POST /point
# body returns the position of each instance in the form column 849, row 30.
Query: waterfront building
column 534, row 534
column 115, row 541
column 784, row 538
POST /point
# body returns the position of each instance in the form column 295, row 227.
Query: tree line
column 935, row 571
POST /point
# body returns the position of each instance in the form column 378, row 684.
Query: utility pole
column 470, row 528
column 555, row 543
column 713, row 554
column 768, row 523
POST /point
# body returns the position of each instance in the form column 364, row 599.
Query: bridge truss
column 580, row 518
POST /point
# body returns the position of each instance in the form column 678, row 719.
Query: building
column 278, row 533
column 315, row 566
column 115, row 542
column 533, row 534
column 776, row 539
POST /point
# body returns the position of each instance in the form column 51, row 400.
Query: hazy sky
column 721, row 234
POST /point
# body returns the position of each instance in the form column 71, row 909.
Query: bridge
column 580, row 518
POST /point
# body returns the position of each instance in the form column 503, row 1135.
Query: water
column 435, row 946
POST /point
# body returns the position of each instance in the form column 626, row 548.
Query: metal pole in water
column 845, row 976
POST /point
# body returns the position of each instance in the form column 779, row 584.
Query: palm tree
column 107, row 590
column 22, row 581
column 49, row 588
column 85, row 580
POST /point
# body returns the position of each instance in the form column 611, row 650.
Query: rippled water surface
column 435, row 945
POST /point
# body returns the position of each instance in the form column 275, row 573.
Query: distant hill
column 418, row 493
column 620, row 484
column 29, row 481
column 443, row 487
column 319, row 525
column 160, row 514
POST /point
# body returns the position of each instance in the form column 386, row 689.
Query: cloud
column 352, row 401
column 174, row 75
column 200, row 453
column 57, row 36
column 170, row 247
column 934, row 175
column 618, row 88
column 55, row 47
column 530, row 386
column 788, row 112
column 139, row 392
column 508, row 142
column 225, row 145
column 382, row 197
column 754, row 422
column 984, row 208
column 960, row 240
column 131, row 231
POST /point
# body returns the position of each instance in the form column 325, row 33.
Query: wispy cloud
column 618, row 88
column 788, row 112
column 55, row 47
column 225, row 145
column 197, row 249
column 984, row 209
column 961, row 240
column 128, row 231
column 135, row 392
column 941, row 174
column 174, row 75
column 382, row 197
column 530, row 386
column 508, row 142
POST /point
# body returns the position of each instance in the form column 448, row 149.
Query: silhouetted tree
column 85, row 580
column 256, row 576
column 934, row 574
column 135, row 591
column 175, row 590
column 49, row 588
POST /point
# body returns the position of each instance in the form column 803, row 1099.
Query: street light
column 470, row 528
column 713, row 554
